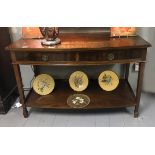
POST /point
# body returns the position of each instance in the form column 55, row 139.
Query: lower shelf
column 123, row 96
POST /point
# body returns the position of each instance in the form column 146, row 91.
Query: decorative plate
column 78, row 81
column 78, row 101
column 108, row 80
column 43, row 84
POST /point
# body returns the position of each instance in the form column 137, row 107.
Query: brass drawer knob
column 45, row 58
column 111, row 56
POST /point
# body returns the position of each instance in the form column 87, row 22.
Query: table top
column 80, row 41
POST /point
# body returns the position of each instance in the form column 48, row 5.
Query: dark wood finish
column 99, row 98
column 81, row 42
column 139, row 87
column 82, row 57
column 8, row 91
column 20, row 89
column 80, row 50
column 127, row 67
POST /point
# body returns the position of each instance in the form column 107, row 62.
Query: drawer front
column 113, row 55
column 44, row 56
column 83, row 56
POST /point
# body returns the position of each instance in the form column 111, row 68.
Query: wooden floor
column 110, row 118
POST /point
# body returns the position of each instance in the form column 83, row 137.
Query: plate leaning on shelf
column 78, row 81
column 108, row 80
column 43, row 84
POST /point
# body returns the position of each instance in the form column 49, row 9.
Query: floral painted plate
column 78, row 81
column 78, row 100
column 108, row 80
column 43, row 84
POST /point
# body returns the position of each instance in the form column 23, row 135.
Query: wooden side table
column 82, row 50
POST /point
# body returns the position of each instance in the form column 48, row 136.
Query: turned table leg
column 139, row 88
column 20, row 89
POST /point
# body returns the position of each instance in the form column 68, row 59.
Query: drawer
column 82, row 56
column 112, row 55
column 45, row 56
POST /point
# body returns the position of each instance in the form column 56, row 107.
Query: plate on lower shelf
column 78, row 100
column 43, row 84
column 108, row 80
column 78, row 81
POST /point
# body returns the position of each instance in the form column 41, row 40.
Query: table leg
column 20, row 89
column 36, row 70
column 127, row 66
column 139, row 88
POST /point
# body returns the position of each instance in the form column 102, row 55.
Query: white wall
column 149, row 74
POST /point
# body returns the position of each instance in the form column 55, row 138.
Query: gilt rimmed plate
column 78, row 100
column 78, row 81
column 43, row 84
column 108, row 80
